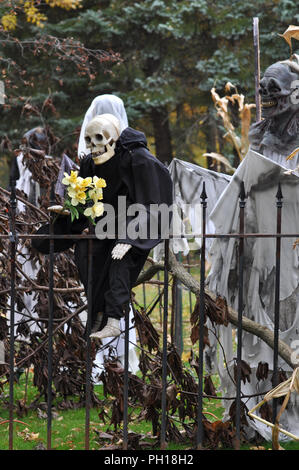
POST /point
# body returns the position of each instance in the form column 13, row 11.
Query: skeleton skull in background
column 278, row 90
column 278, row 131
column 101, row 134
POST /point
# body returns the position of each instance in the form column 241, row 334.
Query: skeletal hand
column 59, row 210
column 120, row 250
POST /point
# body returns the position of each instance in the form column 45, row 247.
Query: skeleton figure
column 36, row 139
column 101, row 135
column 278, row 132
column 130, row 171
column 266, row 164
column 113, row 105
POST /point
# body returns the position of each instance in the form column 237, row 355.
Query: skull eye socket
column 261, row 89
column 271, row 87
column 274, row 87
column 87, row 139
column 99, row 137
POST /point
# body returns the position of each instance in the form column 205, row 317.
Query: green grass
column 68, row 426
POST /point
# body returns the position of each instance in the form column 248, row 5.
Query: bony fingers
column 58, row 209
column 120, row 250
column 55, row 208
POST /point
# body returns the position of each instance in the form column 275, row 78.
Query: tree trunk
column 162, row 134
column 211, row 139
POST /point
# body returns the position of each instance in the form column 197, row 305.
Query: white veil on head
column 102, row 104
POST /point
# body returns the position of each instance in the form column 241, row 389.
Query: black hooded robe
column 137, row 175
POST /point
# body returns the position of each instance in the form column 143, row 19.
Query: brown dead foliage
column 262, row 370
column 245, row 371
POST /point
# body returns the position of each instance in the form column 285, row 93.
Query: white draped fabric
column 102, row 104
column 30, row 267
column 188, row 180
column 261, row 176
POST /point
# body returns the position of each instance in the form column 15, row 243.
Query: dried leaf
column 245, row 371
column 229, row 86
column 26, row 435
column 195, row 335
column 209, row 387
column 266, row 412
column 262, row 370
column 243, row 413
column 220, row 158
column 281, row 377
column 245, row 116
column 292, row 32
column 171, row 397
column 292, row 155
column 238, row 98
column 221, row 303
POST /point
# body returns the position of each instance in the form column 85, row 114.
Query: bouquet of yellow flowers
column 86, row 192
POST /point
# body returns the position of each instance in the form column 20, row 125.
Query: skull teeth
column 268, row 104
column 97, row 154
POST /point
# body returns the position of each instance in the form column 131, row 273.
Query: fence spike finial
column 242, row 194
column 279, row 195
column 203, row 193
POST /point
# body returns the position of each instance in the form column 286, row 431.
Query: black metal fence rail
column 241, row 236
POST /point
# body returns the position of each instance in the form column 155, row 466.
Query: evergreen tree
column 171, row 54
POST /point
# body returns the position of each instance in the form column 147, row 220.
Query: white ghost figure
column 103, row 104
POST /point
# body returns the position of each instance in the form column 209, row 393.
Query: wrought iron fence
column 14, row 236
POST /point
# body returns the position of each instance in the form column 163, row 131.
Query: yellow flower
column 99, row 182
column 77, row 196
column 95, row 211
column 85, row 182
column 70, row 179
column 96, row 194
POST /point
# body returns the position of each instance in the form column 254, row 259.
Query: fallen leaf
column 26, row 435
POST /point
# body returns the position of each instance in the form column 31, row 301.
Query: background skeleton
column 271, row 141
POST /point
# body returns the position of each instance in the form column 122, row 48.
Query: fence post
column 190, row 294
column 178, row 325
column 279, row 198
column 256, row 45
column 164, row 352
column 50, row 322
column 242, row 203
column 160, row 299
column 203, row 197
column 88, row 340
column 13, row 242
column 126, row 378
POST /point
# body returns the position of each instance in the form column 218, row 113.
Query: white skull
column 101, row 134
